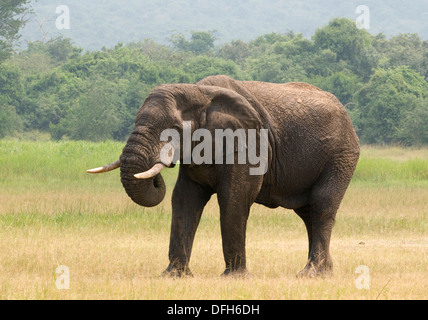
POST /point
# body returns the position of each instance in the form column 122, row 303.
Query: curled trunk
column 148, row 192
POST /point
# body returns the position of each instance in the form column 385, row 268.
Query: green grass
column 384, row 166
column 60, row 164
column 388, row 171
column 53, row 213
column 64, row 163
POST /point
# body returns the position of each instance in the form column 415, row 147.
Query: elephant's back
column 294, row 109
column 297, row 101
column 303, row 112
column 300, row 86
column 278, row 97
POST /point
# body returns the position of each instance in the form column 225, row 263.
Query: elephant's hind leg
column 305, row 214
column 319, row 217
column 319, row 224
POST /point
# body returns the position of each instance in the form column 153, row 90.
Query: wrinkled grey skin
column 313, row 151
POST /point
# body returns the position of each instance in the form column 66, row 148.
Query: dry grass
column 117, row 250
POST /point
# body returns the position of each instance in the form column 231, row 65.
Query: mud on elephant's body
column 312, row 153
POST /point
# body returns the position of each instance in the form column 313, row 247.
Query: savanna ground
column 52, row 213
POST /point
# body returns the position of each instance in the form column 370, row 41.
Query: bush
column 10, row 122
column 95, row 117
column 387, row 102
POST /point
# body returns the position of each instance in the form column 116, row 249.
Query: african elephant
column 312, row 152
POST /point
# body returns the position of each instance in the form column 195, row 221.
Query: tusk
column 108, row 168
column 157, row 168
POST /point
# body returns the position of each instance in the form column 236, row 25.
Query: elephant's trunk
column 147, row 192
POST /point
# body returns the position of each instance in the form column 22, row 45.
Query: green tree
column 95, row 116
column 237, row 51
column 413, row 128
column 404, row 50
column 350, row 44
column 342, row 84
column 48, row 97
column 11, row 84
column 279, row 58
column 11, row 96
column 201, row 42
column 384, row 103
column 276, row 68
column 200, row 67
column 12, row 18
column 10, row 122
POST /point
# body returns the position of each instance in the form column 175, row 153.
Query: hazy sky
column 98, row 23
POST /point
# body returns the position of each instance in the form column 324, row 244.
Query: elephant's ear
column 236, row 126
column 229, row 110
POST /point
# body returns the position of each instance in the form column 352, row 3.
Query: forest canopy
column 57, row 88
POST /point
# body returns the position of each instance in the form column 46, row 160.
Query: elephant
column 312, row 152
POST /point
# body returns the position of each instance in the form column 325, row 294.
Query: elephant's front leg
column 235, row 198
column 233, row 220
column 188, row 202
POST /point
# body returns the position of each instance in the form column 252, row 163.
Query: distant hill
column 98, row 23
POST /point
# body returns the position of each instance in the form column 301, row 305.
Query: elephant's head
column 168, row 107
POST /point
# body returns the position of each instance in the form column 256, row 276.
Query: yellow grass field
column 53, row 214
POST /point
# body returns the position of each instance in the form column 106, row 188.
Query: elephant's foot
column 177, row 272
column 238, row 273
column 320, row 270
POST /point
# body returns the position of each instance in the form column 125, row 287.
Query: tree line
column 56, row 87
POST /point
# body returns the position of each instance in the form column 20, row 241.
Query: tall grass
column 393, row 165
column 51, row 163
column 53, row 213
column 59, row 164
column 63, row 163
